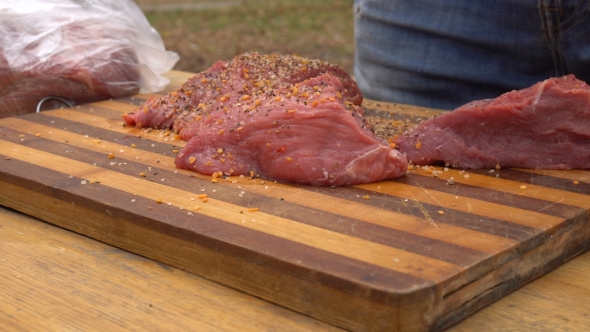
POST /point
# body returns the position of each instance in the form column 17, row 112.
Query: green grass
column 315, row 29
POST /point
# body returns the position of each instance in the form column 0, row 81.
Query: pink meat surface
column 545, row 126
column 280, row 117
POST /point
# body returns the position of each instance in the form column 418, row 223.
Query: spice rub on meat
column 545, row 126
column 278, row 116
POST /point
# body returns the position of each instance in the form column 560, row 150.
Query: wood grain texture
column 417, row 253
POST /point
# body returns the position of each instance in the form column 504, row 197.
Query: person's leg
column 569, row 36
column 443, row 54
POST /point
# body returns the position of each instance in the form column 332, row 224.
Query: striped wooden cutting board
column 417, row 253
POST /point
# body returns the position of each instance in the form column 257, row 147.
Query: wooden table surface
column 55, row 279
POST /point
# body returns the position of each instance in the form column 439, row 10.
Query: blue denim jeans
column 445, row 53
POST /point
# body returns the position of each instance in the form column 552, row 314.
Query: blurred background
column 204, row 31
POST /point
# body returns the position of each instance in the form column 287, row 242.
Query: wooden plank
column 421, row 252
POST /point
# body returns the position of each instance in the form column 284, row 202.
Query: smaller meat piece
column 545, row 126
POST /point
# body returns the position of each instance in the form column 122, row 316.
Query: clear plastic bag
column 79, row 50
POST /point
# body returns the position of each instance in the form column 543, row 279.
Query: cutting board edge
column 575, row 238
column 410, row 309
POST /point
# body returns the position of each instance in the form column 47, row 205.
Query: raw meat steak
column 545, row 126
column 281, row 117
column 247, row 75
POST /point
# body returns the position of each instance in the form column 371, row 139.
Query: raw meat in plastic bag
column 79, row 50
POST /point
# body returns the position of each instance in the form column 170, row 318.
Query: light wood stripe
column 341, row 244
column 114, row 106
column 177, row 78
column 403, row 222
column 115, row 126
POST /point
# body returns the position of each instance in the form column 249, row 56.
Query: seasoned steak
column 281, row 117
column 545, row 126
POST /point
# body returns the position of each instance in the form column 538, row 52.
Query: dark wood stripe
column 560, row 210
column 272, row 205
column 546, row 181
column 331, row 270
